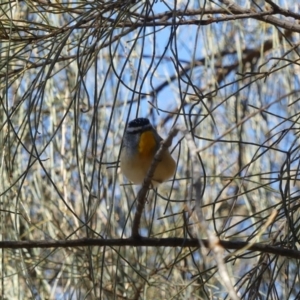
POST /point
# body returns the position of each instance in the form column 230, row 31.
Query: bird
column 140, row 143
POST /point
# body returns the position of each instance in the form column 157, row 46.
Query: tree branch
column 286, row 24
column 149, row 242
column 141, row 197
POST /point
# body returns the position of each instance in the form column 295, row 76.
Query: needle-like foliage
column 225, row 74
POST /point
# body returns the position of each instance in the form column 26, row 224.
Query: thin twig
column 141, row 197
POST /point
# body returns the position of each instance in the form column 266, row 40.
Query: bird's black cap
column 138, row 124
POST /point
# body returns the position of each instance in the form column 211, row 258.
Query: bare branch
column 141, row 197
column 150, row 242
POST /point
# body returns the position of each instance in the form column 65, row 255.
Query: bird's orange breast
column 147, row 144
